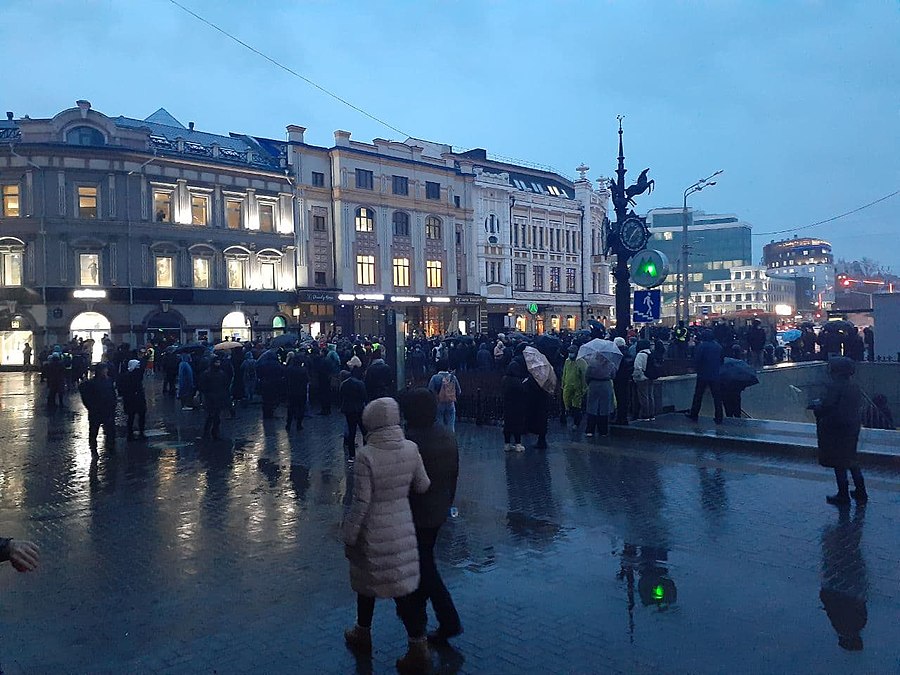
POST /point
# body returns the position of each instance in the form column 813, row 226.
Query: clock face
column 634, row 236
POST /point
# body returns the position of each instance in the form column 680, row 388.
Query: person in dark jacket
column 131, row 387
column 353, row 401
column 99, row 397
column 622, row 382
column 329, row 367
column 379, row 379
column 484, row 359
column 707, row 361
column 270, row 376
column 838, row 422
column 296, row 384
column 56, row 380
column 756, row 339
column 440, row 455
column 514, row 403
column 169, row 364
column 214, row 385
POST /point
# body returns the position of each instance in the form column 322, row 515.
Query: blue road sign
column 646, row 306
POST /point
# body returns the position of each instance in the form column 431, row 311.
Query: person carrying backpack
column 644, row 367
column 446, row 388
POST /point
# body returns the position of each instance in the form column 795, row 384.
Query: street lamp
column 685, row 247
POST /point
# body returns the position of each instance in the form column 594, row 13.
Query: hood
column 420, row 408
column 841, row 367
column 380, row 413
column 134, row 364
column 354, row 363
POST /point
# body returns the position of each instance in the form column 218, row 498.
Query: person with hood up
column 99, row 397
column 600, row 399
column 708, row 359
column 186, row 382
column 353, row 402
column 56, row 380
column 379, row 379
column 484, row 358
column 642, row 383
column 574, row 386
column 297, row 383
column 380, row 536
column 248, row 375
column 131, row 387
column 838, row 422
column 214, row 385
column 440, row 455
column 515, row 401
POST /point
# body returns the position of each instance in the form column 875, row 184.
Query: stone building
column 748, row 289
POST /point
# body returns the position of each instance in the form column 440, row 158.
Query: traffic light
column 648, row 267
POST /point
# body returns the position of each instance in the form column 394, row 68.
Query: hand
column 23, row 555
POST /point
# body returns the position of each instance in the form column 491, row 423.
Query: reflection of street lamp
column 685, row 246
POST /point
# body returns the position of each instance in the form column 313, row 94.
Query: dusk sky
column 799, row 102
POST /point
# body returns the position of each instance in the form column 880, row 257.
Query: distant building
column 718, row 243
column 747, row 289
column 804, row 257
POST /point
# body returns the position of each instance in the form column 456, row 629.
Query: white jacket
column 640, row 366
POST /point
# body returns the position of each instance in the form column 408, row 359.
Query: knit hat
column 133, row 364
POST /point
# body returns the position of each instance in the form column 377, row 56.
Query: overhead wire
column 828, row 220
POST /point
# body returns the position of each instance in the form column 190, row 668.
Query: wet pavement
column 626, row 555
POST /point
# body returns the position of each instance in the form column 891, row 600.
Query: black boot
column 840, row 499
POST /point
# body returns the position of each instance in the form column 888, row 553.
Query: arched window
column 12, row 252
column 365, row 219
column 84, row 136
column 492, row 224
column 433, row 227
column 401, row 224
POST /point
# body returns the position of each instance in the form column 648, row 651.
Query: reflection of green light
column 658, row 592
column 649, row 269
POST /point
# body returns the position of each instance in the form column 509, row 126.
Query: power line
column 287, row 69
column 827, row 220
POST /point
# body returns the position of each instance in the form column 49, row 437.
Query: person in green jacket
column 574, row 386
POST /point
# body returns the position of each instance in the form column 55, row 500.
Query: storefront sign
column 405, row 298
column 317, row 296
column 89, row 293
column 468, row 300
column 438, row 299
column 533, row 308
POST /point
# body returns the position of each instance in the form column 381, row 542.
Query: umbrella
column 228, row 344
column 285, row 340
column 597, row 328
column 548, row 345
column 736, row 371
column 540, row 369
column 191, row 347
column 791, row 335
column 602, row 358
column 838, row 325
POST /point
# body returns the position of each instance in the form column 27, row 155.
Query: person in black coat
column 707, row 361
column 296, row 384
column 270, row 376
column 379, row 378
column 131, row 387
column 838, row 422
column 353, row 401
column 514, row 402
column 99, row 397
column 170, row 363
column 214, row 385
column 56, row 380
column 440, row 455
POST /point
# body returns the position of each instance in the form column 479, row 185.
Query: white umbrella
column 602, row 357
column 540, row 369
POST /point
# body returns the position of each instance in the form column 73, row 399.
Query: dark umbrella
column 285, row 340
column 548, row 345
column 738, row 372
column 191, row 347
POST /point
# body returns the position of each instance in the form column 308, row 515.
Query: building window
column 433, row 276
column 266, row 217
column 319, row 223
column 401, row 223
column 520, row 277
column 570, row 280
column 199, row 209
column 10, row 204
column 318, row 179
column 433, row 227
column 234, row 214
column 84, row 136
column 554, row 279
column 401, row 271
column 538, row 284
column 491, row 224
column 400, row 185
column 456, row 201
column 365, row 219
column 89, row 269
column 364, row 179
column 492, row 272
column 267, row 276
column 365, row 270
column 432, row 190
column 10, row 268
column 164, row 276
column 320, row 279
column 235, row 270
column 162, row 206
column 87, row 202
column 201, row 272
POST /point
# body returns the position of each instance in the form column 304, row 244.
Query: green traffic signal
column 659, row 592
column 649, row 268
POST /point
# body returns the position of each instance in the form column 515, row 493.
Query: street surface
column 182, row 556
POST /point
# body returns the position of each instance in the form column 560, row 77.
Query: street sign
column 649, row 268
column 646, row 306
column 532, row 308
column 705, row 310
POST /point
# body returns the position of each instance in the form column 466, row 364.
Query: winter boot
column 840, row 499
column 417, row 658
column 359, row 639
column 860, row 495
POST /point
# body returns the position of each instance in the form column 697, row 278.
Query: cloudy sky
column 799, row 102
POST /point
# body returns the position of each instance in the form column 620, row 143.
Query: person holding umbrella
column 539, row 388
column 735, row 375
column 602, row 358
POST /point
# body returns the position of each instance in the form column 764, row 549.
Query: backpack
column 652, row 371
column 447, row 394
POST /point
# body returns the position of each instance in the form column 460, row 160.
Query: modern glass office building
column 718, row 242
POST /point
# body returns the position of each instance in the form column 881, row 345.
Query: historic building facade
column 804, row 257
column 139, row 229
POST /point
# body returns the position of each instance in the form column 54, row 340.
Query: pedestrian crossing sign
column 646, row 306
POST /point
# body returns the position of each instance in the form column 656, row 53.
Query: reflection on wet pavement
column 176, row 555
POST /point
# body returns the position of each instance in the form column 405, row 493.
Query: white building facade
column 749, row 289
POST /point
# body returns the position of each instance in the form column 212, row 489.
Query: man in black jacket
column 296, row 384
column 99, row 397
column 214, row 385
column 379, row 378
column 353, row 401
column 440, row 456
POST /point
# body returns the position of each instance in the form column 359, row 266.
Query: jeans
column 446, row 415
column 431, row 586
column 410, row 609
column 699, row 390
column 354, row 422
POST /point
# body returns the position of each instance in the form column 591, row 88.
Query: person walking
column 707, row 361
column 26, row 357
column 131, row 387
column 444, row 385
column 642, row 380
column 440, row 456
column 329, row 367
column 514, row 403
column 214, row 385
column 296, row 386
column 838, row 422
column 353, row 402
column 169, row 363
column 99, row 397
column 379, row 534
column 379, row 380
column 186, row 389
column 574, row 386
column 56, row 380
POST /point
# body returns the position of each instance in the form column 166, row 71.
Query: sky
column 798, row 101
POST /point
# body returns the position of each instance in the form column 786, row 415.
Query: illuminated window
column 401, row 271
column 365, row 270
column 401, row 224
column 10, row 206
column 365, row 219
column 201, row 272
column 554, row 279
column 433, row 275
column 10, row 267
column 433, row 227
column 164, row 276
column 89, row 269
column 199, row 209
column 235, row 271
column 234, row 214
column 267, row 275
column 162, row 206
column 87, row 202
column 570, row 279
column 266, row 217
